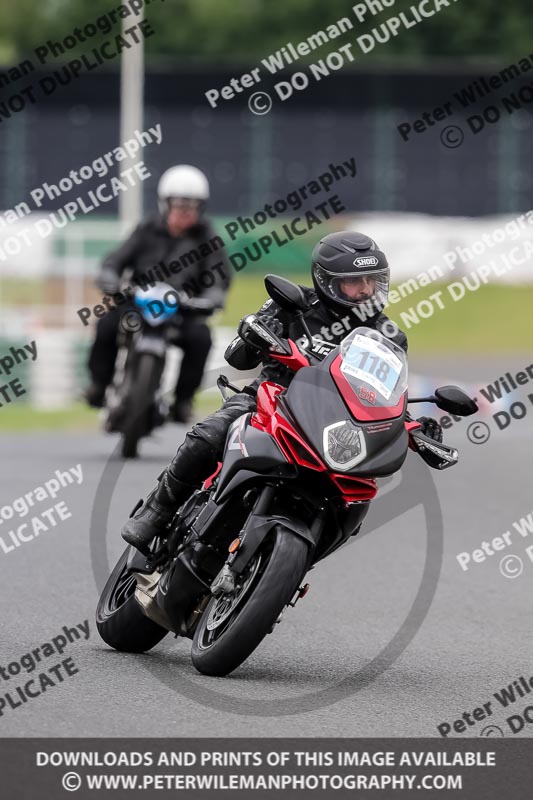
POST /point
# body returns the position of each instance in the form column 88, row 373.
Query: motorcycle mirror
column 455, row 401
column 285, row 293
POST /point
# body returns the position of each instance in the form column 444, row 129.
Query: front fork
column 257, row 527
column 225, row 580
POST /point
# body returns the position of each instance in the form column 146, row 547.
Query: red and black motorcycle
column 295, row 483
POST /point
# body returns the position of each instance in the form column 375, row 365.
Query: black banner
column 266, row 768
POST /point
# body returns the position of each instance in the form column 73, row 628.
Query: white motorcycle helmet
column 183, row 182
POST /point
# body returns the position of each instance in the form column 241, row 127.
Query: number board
column 372, row 363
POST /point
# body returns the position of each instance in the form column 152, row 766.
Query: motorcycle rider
column 351, row 281
column 180, row 228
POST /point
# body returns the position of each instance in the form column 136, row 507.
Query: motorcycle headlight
column 344, row 445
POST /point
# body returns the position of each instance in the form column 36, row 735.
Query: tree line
column 248, row 30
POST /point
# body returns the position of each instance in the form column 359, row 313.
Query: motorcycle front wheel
column 139, row 403
column 234, row 624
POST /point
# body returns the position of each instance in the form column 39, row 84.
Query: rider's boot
column 157, row 511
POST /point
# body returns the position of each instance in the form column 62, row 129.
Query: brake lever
column 266, row 336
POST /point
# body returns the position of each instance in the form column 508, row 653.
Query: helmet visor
column 184, row 204
column 368, row 290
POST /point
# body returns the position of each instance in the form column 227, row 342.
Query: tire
column 282, row 558
column 139, row 402
column 119, row 619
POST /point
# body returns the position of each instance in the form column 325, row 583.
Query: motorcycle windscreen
column 371, row 374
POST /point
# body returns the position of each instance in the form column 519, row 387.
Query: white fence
column 56, row 377
column 416, row 242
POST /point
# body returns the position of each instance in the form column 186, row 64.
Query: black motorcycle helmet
column 351, row 272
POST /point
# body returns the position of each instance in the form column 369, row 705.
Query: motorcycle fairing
column 296, row 360
column 360, row 411
column 274, row 416
column 249, row 452
column 256, row 533
column 315, row 400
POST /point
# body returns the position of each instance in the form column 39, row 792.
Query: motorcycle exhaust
column 145, row 594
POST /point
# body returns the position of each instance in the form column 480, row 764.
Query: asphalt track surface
column 475, row 638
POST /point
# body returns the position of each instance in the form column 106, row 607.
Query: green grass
column 247, row 294
column 23, row 418
column 495, row 319
column 18, row 417
column 492, row 320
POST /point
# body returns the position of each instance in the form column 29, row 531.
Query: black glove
column 273, row 324
column 431, row 428
column 253, row 337
column 108, row 281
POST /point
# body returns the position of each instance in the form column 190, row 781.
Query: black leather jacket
column 322, row 322
column 194, row 263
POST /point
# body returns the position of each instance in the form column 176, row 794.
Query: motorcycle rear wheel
column 119, row 619
column 232, row 626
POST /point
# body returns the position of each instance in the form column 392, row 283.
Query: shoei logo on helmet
column 366, row 261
